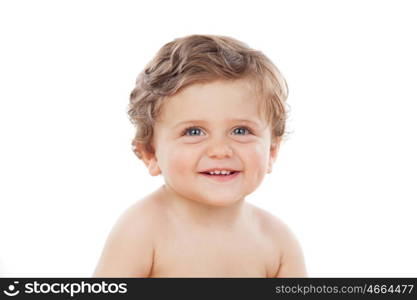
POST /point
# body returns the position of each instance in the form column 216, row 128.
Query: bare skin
column 197, row 226
column 165, row 236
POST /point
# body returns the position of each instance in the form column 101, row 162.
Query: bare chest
column 192, row 254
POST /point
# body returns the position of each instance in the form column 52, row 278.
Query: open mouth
column 220, row 174
column 221, row 177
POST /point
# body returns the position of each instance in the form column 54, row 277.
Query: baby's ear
column 147, row 156
column 273, row 152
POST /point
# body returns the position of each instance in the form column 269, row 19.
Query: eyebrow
column 229, row 120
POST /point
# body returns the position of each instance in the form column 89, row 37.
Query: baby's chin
column 220, row 200
column 216, row 197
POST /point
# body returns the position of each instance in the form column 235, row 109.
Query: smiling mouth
column 221, row 177
column 211, row 174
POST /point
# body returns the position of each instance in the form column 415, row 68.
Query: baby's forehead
column 236, row 99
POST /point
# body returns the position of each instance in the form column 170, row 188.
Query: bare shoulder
column 291, row 256
column 129, row 248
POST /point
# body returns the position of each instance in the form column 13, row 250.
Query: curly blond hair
column 199, row 59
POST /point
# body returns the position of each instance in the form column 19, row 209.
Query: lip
column 220, row 168
column 221, row 178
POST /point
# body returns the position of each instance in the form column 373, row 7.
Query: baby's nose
column 219, row 149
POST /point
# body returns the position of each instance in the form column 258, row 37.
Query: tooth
column 225, row 172
column 217, row 172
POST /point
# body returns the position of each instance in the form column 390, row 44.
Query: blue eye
column 192, row 131
column 196, row 131
column 241, row 130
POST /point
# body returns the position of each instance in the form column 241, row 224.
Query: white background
column 344, row 181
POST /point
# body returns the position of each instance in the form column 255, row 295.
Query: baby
column 210, row 117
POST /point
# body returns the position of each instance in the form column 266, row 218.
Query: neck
column 208, row 216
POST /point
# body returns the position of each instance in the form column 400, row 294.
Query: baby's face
column 208, row 127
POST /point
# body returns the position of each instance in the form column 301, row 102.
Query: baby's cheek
column 179, row 162
column 259, row 161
